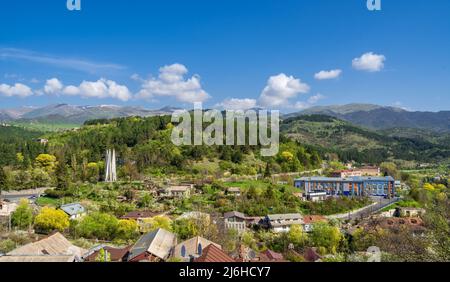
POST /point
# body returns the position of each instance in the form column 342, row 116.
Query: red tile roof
column 115, row 254
column 213, row 254
column 309, row 219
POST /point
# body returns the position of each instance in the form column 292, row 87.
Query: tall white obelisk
column 111, row 174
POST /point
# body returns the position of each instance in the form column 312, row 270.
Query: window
column 183, row 251
column 200, row 249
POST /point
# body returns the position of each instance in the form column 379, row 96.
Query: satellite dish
column 251, row 254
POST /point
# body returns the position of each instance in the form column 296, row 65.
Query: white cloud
column 17, row 90
column 332, row 74
column 62, row 62
column 235, row 104
column 280, row 89
column 53, row 86
column 172, row 83
column 369, row 62
column 99, row 89
column 309, row 103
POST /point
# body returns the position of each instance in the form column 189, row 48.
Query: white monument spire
column 111, row 175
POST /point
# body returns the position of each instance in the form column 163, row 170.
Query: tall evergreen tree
column 3, row 180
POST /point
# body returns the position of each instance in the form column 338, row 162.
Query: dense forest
column 143, row 147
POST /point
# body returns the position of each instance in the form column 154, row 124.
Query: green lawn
column 44, row 201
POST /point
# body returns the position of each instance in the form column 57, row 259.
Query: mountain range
column 72, row 114
column 381, row 117
column 365, row 115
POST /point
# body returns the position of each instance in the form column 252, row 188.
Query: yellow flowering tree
column 50, row 219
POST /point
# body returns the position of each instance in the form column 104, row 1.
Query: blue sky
column 233, row 53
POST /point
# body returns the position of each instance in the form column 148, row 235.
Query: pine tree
column 62, row 176
column 3, row 180
column 267, row 172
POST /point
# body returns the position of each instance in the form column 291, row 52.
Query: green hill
column 351, row 142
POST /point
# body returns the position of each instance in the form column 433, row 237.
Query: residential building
column 235, row 220
column 74, row 210
column 370, row 171
column 141, row 218
column 310, row 220
column 410, row 212
column 234, row 191
column 351, row 186
column 213, row 254
column 346, row 173
column 153, row 247
column 316, row 196
column 195, row 215
column 192, row 248
column 7, row 208
column 42, row 141
column 181, row 191
column 362, row 171
column 283, row 222
column 52, row 246
column 271, row 256
column 39, row 258
column 114, row 254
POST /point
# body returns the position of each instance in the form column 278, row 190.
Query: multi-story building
column 283, row 222
column 350, row 186
column 235, row 220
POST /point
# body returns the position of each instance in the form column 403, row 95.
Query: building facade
column 351, row 186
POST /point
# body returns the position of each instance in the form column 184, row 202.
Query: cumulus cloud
column 309, row 103
column 369, row 62
column 171, row 82
column 102, row 88
column 17, row 90
column 53, row 86
column 280, row 89
column 235, row 104
column 332, row 74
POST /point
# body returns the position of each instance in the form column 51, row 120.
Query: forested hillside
column 363, row 145
column 15, row 140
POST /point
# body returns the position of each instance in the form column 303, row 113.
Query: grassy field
column 44, row 126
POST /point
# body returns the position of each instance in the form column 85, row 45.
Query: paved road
column 16, row 196
column 381, row 203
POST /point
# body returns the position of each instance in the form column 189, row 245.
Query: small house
column 235, row 220
column 310, row 220
column 52, row 247
column 214, row 254
column 192, row 248
column 283, row 222
column 153, row 247
column 181, row 191
column 7, row 208
column 74, row 211
column 114, row 254
column 234, row 191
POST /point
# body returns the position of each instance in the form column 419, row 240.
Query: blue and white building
column 350, row 186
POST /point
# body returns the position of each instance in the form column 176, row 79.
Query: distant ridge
column 74, row 114
column 382, row 117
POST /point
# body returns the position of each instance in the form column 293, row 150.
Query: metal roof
column 288, row 216
column 73, row 209
column 158, row 243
